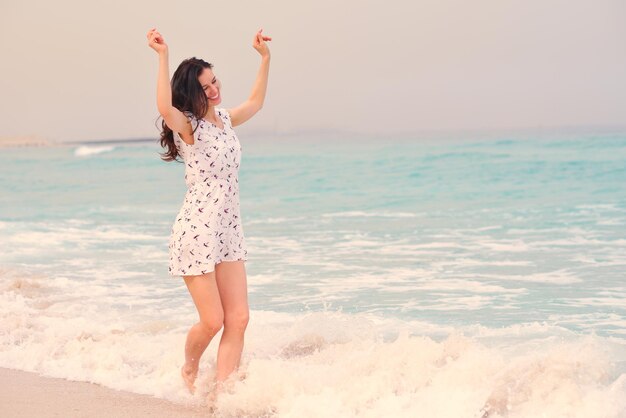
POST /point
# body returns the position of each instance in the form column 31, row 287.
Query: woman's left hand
column 259, row 43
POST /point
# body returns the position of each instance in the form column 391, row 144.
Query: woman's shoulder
column 225, row 116
column 223, row 111
column 195, row 125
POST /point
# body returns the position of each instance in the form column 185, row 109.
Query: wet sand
column 25, row 394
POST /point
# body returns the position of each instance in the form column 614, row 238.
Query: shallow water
column 387, row 276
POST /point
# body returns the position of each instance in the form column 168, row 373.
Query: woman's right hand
column 156, row 41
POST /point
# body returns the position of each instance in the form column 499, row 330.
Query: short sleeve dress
column 208, row 227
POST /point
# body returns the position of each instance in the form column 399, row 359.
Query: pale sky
column 82, row 70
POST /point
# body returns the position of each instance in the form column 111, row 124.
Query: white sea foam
column 577, row 241
column 504, row 245
column 37, row 237
column 86, row 150
column 461, row 261
column 320, row 363
column 450, row 284
column 611, row 222
column 601, row 206
column 590, row 320
column 561, row 276
column 264, row 221
column 356, row 213
column 613, row 302
column 170, row 211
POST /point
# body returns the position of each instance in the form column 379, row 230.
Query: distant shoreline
column 32, row 141
column 26, row 141
column 418, row 134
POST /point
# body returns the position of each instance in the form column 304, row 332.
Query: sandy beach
column 26, row 394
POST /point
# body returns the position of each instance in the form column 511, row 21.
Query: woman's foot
column 216, row 388
column 189, row 376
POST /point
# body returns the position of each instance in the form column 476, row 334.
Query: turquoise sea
column 388, row 276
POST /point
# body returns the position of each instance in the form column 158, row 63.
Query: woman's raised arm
column 173, row 117
column 247, row 109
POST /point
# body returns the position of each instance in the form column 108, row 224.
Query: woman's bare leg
column 206, row 297
column 233, row 289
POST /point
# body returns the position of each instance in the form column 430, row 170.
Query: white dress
column 208, row 229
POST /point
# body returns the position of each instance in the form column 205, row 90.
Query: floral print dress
column 208, row 229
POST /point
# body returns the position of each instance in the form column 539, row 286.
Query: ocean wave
column 356, row 213
column 86, row 150
column 323, row 363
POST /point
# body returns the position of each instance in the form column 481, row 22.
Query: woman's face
column 211, row 86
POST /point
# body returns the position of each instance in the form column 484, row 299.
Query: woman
column 207, row 245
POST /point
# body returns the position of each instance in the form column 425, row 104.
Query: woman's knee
column 237, row 320
column 212, row 325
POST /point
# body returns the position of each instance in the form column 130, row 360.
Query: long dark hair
column 188, row 97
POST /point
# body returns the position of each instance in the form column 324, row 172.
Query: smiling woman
column 195, row 91
column 205, row 86
column 207, row 246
